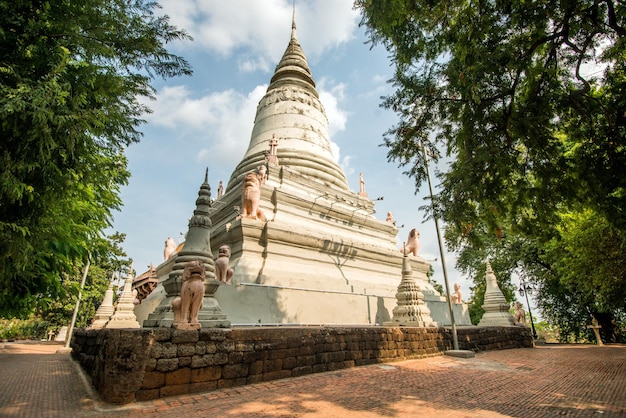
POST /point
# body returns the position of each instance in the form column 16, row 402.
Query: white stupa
column 320, row 256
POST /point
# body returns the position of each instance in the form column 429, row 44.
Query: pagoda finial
column 206, row 175
column 293, row 21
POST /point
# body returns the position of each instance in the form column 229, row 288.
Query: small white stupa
column 124, row 316
column 105, row 310
column 411, row 309
column 496, row 307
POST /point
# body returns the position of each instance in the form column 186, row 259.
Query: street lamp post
column 455, row 339
column 524, row 289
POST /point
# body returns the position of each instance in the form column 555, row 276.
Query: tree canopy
column 70, row 77
column 528, row 99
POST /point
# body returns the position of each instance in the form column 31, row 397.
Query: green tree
column 107, row 261
column 528, row 101
column 70, row 77
column 586, row 275
column 529, row 98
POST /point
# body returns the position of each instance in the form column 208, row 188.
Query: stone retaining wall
column 135, row 365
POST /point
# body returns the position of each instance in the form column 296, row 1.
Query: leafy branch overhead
column 526, row 96
column 70, row 77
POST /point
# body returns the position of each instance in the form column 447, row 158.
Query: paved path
column 547, row 381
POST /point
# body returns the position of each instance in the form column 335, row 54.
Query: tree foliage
column 528, row 99
column 583, row 275
column 110, row 262
column 70, row 76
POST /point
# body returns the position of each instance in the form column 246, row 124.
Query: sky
column 205, row 120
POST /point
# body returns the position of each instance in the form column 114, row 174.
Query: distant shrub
column 24, row 329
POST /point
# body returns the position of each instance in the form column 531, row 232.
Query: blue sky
column 206, row 120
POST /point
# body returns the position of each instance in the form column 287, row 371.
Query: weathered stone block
column 168, row 350
column 202, row 386
column 244, row 346
column 262, row 345
column 200, row 348
column 307, row 360
column 305, row 350
column 174, row 390
column 231, row 371
column 178, row 377
column 279, row 374
column 272, row 365
column 161, row 334
column 226, row 346
column 186, row 349
column 289, row 363
column 199, row 361
column 249, row 357
column 153, row 380
column 256, row 378
column 284, row 353
column 322, row 358
column 184, row 361
column 206, row 374
column 167, row 364
column 307, row 340
column 147, row 395
column 348, row 364
column 294, row 343
column 235, row 357
column 218, row 335
column 184, row 336
column 151, row 364
column 318, row 368
column 337, row 356
column 256, row 367
column 156, row 351
column 217, row 358
column 229, row 383
column 301, row 371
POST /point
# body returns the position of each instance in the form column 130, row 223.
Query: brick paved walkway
column 548, row 381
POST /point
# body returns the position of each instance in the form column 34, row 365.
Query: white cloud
column 379, row 79
column 346, row 165
column 250, row 65
column 331, row 96
column 262, row 26
column 212, row 123
column 233, row 136
column 219, row 124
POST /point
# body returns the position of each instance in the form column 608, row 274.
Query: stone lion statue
column 456, row 296
column 188, row 304
column 520, row 316
column 170, row 248
column 223, row 272
column 251, row 194
column 413, row 242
